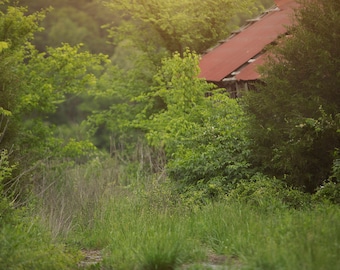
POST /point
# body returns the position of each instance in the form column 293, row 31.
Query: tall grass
column 285, row 239
column 27, row 245
column 24, row 242
column 143, row 237
column 137, row 222
column 71, row 194
column 68, row 195
column 135, row 233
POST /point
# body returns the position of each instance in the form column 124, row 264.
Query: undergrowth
column 25, row 242
column 138, row 221
column 146, row 225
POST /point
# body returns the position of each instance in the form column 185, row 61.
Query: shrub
column 202, row 193
column 328, row 192
column 213, row 146
column 204, row 136
column 26, row 245
column 269, row 193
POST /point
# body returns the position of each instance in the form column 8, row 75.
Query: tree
column 148, row 31
column 72, row 22
column 295, row 126
column 33, row 85
column 15, row 32
column 114, row 100
column 176, row 25
column 204, row 136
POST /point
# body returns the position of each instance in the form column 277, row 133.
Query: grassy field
column 134, row 235
column 144, row 226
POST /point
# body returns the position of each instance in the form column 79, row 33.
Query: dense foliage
column 202, row 130
column 184, row 173
column 33, row 85
column 177, row 25
column 72, row 22
column 296, row 116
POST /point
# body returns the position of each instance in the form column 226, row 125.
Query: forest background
column 104, row 124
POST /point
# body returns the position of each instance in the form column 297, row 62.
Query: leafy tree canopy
column 72, row 22
column 176, row 25
column 34, row 84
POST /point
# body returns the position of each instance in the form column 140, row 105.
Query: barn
column 232, row 64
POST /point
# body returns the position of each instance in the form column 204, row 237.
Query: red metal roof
column 249, row 72
column 236, row 51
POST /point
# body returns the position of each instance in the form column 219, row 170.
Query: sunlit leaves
column 16, row 28
column 176, row 25
column 51, row 75
column 204, row 136
column 177, row 85
column 34, row 85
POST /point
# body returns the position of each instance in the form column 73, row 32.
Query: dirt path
column 94, row 257
column 91, row 258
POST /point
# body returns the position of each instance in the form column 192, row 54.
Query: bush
column 6, row 208
column 204, row 136
column 213, row 146
column 269, row 193
column 328, row 192
column 26, row 245
column 202, row 193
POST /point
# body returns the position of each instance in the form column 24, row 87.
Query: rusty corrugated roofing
column 249, row 72
column 239, row 49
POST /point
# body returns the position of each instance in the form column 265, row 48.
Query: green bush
column 328, row 192
column 269, row 193
column 212, row 146
column 204, row 137
column 26, row 245
column 202, row 193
